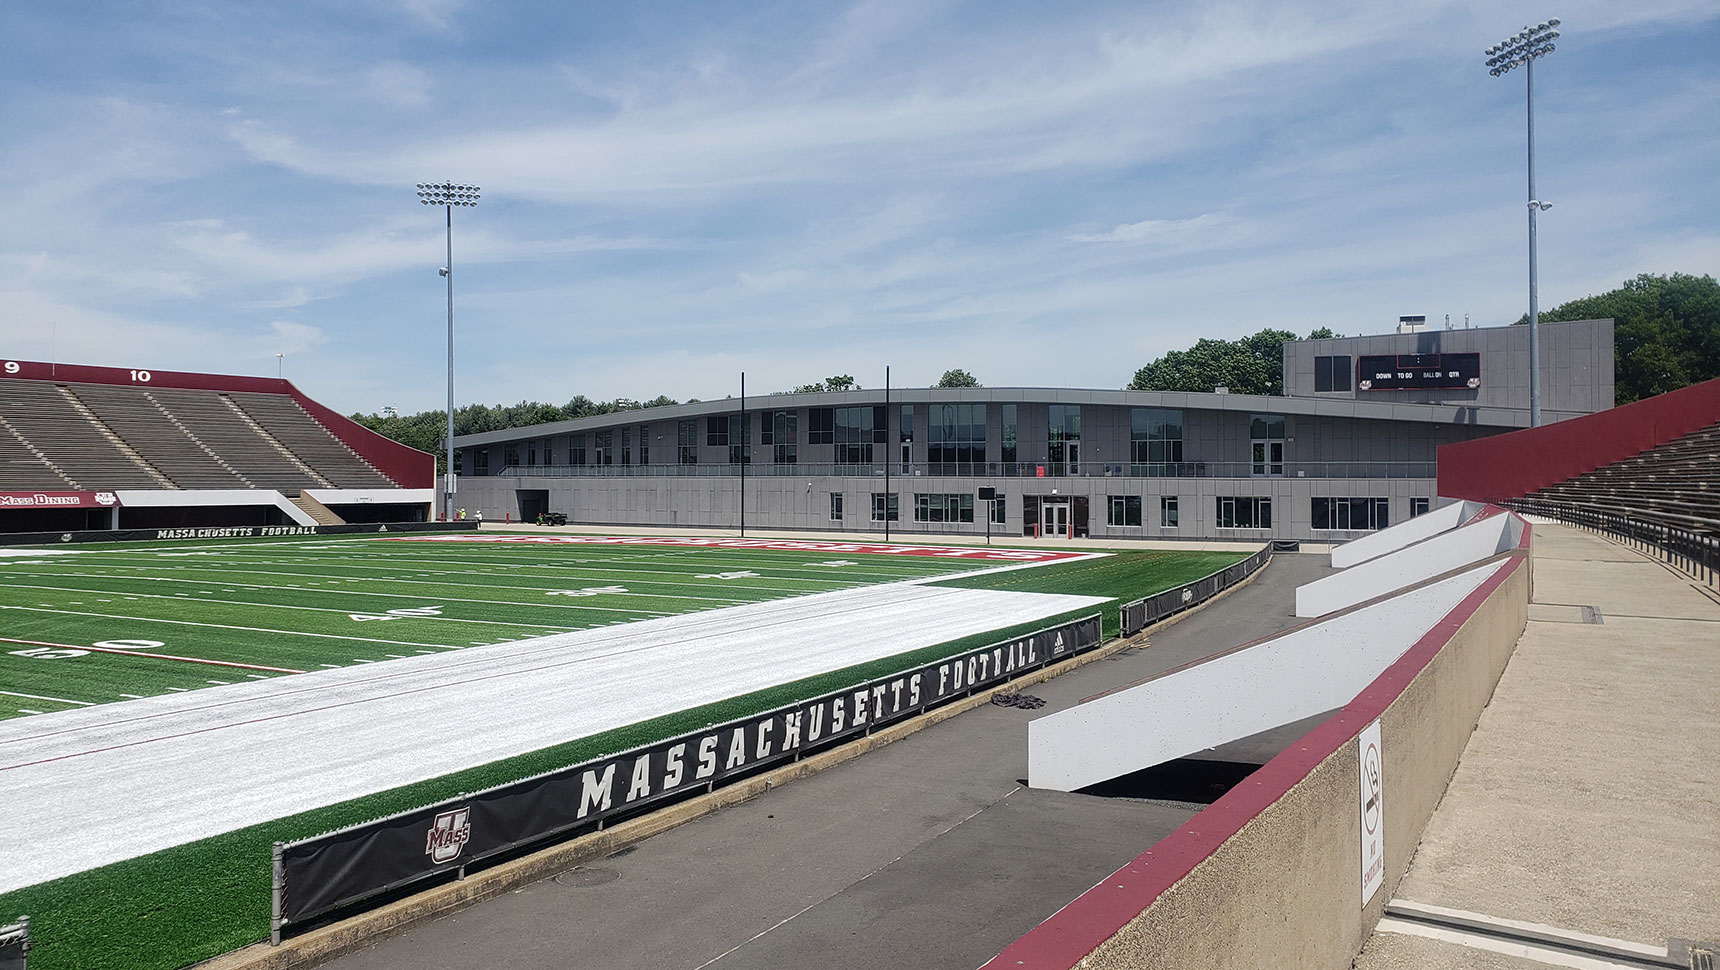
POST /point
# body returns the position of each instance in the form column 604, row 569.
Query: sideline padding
column 228, row 532
column 345, row 867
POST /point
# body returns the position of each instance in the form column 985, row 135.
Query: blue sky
column 1043, row 194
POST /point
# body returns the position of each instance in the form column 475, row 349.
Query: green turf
column 192, row 902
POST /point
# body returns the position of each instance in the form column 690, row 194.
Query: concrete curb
column 321, row 945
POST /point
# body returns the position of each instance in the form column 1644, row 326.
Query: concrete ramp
column 1412, row 564
column 1254, row 688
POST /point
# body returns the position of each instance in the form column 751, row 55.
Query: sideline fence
column 228, row 532
column 1694, row 552
column 313, row 877
column 1134, row 617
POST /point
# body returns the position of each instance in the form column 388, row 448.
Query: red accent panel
column 408, row 467
column 1098, row 914
column 1512, row 465
column 58, row 500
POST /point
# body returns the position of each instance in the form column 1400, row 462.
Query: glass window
column 906, row 434
column 1417, row 506
column 1009, row 428
column 1266, row 451
column 1349, row 513
column 644, row 444
column 740, row 439
column 603, row 447
column 1125, row 510
column 1063, row 439
column 627, row 446
column 576, row 449
column 481, row 463
column 717, row 429
column 687, row 442
column 878, row 506
column 937, row 507
column 781, row 430
column 857, row 430
column 998, row 510
column 1155, row 440
column 1168, row 511
column 531, row 454
column 836, row 506
column 510, row 455
column 955, row 439
column 820, row 426
column 1332, row 373
column 1244, row 512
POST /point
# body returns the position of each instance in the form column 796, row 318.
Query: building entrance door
column 1054, row 517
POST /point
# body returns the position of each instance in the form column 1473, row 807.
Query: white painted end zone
column 188, row 766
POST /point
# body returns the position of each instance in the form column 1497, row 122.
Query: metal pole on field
column 276, row 894
column 899, row 430
column 1521, row 50
column 746, row 450
column 449, row 195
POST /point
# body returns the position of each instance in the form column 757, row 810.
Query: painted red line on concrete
column 796, row 545
column 1095, row 916
column 154, row 656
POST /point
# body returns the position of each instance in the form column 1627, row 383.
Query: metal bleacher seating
column 215, row 423
column 282, row 417
column 42, row 415
column 177, row 438
column 148, row 430
column 1676, row 484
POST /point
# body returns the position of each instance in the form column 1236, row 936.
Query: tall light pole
column 280, row 365
column 449, row 195
column 1520, row 50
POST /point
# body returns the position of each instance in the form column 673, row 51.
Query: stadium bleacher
column 1675, row 484
column 103, row 436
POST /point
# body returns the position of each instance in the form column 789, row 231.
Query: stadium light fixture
column 449, row 195
column 1521, row 50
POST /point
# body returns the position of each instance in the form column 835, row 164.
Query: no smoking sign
column 1370, row 792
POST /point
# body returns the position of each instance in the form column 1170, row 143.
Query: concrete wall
column 1270, row 874
column 1576, row 366
column 1403, row 534
column 197, row 498
column 1297, row 674
column 1377, row 577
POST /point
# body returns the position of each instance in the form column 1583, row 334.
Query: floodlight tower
column 449, row 195
column 1520, row 50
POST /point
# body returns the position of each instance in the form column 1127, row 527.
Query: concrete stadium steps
column 208, row 417
column 22, row 467
column 282, row 417
column 319, row 512
column 80, row 449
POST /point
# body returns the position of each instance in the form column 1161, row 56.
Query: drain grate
column 585, row 877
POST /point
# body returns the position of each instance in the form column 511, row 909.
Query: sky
column 1042, row 194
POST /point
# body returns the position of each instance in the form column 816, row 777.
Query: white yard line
column 224, row 626
column 39, row 697
column 314, row 739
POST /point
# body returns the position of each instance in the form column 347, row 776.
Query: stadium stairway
column 316, row 510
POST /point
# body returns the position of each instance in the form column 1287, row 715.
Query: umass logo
column 448, row 835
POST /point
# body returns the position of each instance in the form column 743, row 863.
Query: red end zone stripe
column 796, row 545
column 154, row 656
column 1076, row 930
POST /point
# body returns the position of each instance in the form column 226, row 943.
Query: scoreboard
column 1398, row 372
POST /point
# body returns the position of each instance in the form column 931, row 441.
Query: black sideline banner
column 1134, row 617
column 343, row 867
column 229, row 532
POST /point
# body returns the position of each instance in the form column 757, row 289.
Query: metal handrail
column 993, row 470
column 1696, row 553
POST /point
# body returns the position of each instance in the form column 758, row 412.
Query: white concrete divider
column 1409, row 565
column 1406, row 533
column 176, row 498
column 1294, row 675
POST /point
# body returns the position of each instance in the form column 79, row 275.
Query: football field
column 86, row 626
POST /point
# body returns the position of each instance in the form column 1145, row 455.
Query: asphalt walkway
column 1587, row 802
column 926, row 853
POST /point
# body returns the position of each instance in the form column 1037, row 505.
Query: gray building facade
column 1315, row 465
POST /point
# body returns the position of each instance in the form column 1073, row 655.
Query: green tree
column 1666, row 331
column 426, row 429
column 841, row 382
column 957, row 377
column 1247, row 365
